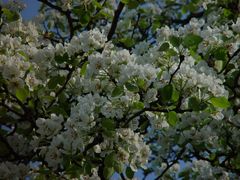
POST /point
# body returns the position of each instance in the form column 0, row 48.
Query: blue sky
column 31, row 9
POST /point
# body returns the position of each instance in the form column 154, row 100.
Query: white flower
column 49, row 127
column 236, row 26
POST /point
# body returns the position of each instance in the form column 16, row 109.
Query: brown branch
column 230, row 58
column 179, row 65
column 153, row 109
column 67, row 13
column 10, row 109
column 115, row 20
column 69, row 75
column 169, row 165
column 136, row 24
column 187, row 20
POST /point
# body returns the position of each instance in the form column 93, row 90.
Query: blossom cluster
column 88, row 107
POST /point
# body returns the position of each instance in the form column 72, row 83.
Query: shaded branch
column 10, row 109
column 169, row 165
column 115, row 20
column 67, row 13
column 69, row 75
column 153, row 109
column 179, row 65
column 230, row 58
column 187, row 20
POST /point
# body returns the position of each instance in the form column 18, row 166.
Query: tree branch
column 69, row 75
column 179, row 65
column 169, row 165
column 115, row 20
column 66, row 13
column 187, row 20
column 230, row 58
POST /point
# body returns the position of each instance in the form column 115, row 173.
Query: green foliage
column 108, row 172
column 129, row 172
column 117, row 91
column 220, row 102
column 10, row 15
column 166, row 93
column 195, row 104
column 175, row 41
column 192, row 40
column 109, row 126
column 22, row 94
column 164, row 47
column 55, row 80
column 220, row 53
column 61, row 58
column 127, row 42
column 138, row 105
column 131, row 87
column 172, row 118
column 4, row 151
column 84, row 68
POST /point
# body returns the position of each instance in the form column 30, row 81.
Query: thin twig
column 179, row 65
column 170, row 165
column 10, row 109
column 230, row 58
column 69, row 75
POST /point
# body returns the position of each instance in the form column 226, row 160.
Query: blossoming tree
column 102, row 89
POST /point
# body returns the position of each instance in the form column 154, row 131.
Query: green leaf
column 109, row 133
column 125, row 1
column 192, row 40
column 138, row 105
column 193, row 103
column 185, row 173
column 166, row 93
column 23, row 54
column 141, row 83
column 54, row 81
column 164, row 47
column 220, row 102
column 143, row 24
column 4, row 151
column 171, row 52
column 196, row 105
column 129, row 173
column 175, row 95
column 220, row 53
column 117, row 91
column 218, row 65
column 85, row 18
column 22, row 94
column 87, row 167
column 131, row 87
column 128, row 42
column 97, row 4
column 118, row 166
column 61, row 58
column 175, row 41
column 133, row 4
column 10, row 15
column 58, row 110
column 110, row 159
column 108, row 172
column 84, row 69
column 109, row 124
column 172, row 118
